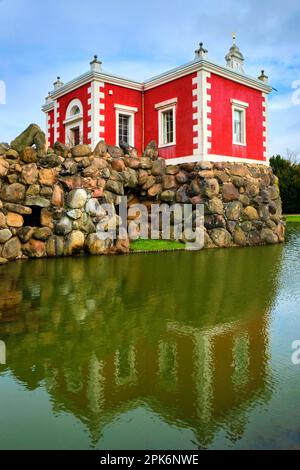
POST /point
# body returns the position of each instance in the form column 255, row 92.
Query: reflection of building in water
column 198, row 361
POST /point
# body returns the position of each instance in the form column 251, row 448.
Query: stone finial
column 200, row 53
column 234, row 58
column 48, row 98
column 263, row 77
column 58, row 83
column 96, row 64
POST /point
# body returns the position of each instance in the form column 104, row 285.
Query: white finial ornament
column 234, row 58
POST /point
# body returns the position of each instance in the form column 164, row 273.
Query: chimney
column 58, row 83
column 201, row 53
column 263, row 77
column 96, row 64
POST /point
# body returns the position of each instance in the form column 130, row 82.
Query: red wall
column 80, row 93
column 50, row 128
column 222, row 91
column 126, row 97
column 182, row 90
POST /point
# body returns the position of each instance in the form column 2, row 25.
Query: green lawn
column 155, row 245
column 292, row 218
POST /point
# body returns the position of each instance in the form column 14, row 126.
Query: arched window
column 74, row 123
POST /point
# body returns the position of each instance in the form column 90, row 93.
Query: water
column 172, row 350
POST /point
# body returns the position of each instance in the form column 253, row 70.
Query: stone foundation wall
column 50, row 200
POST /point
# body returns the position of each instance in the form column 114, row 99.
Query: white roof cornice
column 197, row 65
column 190, row 67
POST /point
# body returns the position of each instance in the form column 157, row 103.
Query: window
column 75, row 110
column 166, row 122
column 168, row 126
column 238, row 126
column 239, row 122
column 74, row 123
column 125, row 124
column 124, row 128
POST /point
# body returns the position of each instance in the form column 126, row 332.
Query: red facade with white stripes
column 200, row 111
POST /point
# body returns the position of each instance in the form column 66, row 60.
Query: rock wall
column 50, row 200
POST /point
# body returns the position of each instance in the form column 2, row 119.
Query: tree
column 288, row 173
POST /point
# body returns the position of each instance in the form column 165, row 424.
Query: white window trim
column 163, row 104
column 126, row 111
column 72, row 121
column 161, row 110
column 239, row 106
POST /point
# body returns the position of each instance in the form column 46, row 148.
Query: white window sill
column 240, row 144
column 171, row 144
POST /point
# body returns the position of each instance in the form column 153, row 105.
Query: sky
column 40, row 40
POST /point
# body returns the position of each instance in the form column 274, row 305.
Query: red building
column 198, row 111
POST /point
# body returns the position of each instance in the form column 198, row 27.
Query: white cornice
column 190, row 67
column 198, row 65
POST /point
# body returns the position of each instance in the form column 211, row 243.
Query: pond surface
column 167, row 350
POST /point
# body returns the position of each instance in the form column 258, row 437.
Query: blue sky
column 42, row 39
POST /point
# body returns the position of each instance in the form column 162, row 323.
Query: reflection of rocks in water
column 183, row 333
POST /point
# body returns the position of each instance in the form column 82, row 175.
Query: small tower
column 234, row 58
column 58, row 83
column 201, row 53
column 96, row 64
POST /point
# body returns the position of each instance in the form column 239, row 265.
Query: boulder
column 50, row 160
column 57, row 196
column 47, row 176
column 4, row 167
column 158, row 167
column 114, row 151
column 155, row 190
column 81, row 150
column 28, row 155
column 42, row 233
column 239, row 236
column 2, row 220
column 13, row 193
column 18, row 208
column 5, row 234
column 268, row 236
column 221, row 237
column 168, row 196
column 12, row 249
column 55, row 246
column 96, row 246
column 25, row 233
column 211, row 187
column 118, row 164
column 34, row 248
column 33, row 135
column 77, row 198
column 74, row 214
column 47, row 218
column 37, row 201
column 29, row 174
column 60, row 149
column 230, row 192
column 115, row 187
column 74, row 243
column 95, row 209
column 64, row 226
column 14, row 220
column 250, row 213
column 233, row 210
column 146, row 163
column 214, row 206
